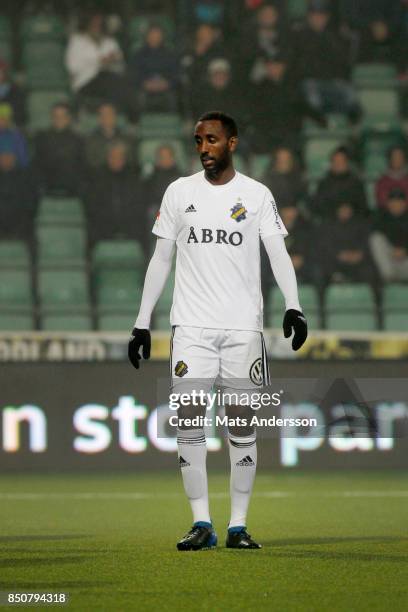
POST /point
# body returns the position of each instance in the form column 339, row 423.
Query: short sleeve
column 165, row 225
column 270, row 221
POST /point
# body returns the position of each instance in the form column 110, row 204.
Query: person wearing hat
column 389, row 241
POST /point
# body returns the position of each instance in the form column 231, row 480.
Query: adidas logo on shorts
column 190, row 208
column 245, row 462
column 183, row 462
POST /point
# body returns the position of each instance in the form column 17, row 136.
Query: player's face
column 213, row 146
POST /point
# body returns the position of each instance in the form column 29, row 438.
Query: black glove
column 139, row 338
column 295, row 319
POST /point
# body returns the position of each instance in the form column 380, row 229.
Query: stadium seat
column 118, row 290
column 39, row 104
column 60, row 211
column 259, row 164
column 14, row 254
column 374, row 75
column 162, row 321
column 351, row 296
column 147, row 153
column 118, row 254
column 297, row 9
column 42, row 26
column 66, row 322
column 317, row 155
column 160, row 125
column 5, row 39
column 351, row 321
column 308, row 298
column 63, row 290
column 16, row 321
column 139, row 25
column 395, row 297
column 60, row 246
column 275, row 320
column 15, row 288
column 117, row 322
column 379, row 104
column 44, row 65
column 337, row 128
column 396, row 321
column 374, row 165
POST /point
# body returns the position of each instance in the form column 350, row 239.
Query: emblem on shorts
column 255, row 372
column 181, row 369
column 238, row 212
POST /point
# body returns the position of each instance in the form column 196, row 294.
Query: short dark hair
column 227, row 121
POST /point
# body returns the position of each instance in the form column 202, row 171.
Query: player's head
column 216, row 137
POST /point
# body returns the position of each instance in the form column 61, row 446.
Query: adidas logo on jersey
column 183, row 462
column 190, row 208
column 245, row 462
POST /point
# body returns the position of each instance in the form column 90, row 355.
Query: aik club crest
column 238, row 212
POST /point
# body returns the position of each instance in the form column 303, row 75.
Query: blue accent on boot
column 203, row 524
column 236, row 529
column 213, row 540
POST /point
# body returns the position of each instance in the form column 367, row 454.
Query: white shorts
column 231, row 358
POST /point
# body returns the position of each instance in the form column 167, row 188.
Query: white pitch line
column 139, row 496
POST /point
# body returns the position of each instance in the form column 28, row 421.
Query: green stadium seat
column 351, row 321
column 60, row 211
column 317, row 155
column 40, row 103
column 139, row 25
column 15, row 288
column 63, row 290
column 160, row 125
column 66, row 322
column 162, row 322
column 6, row 50
column 374, row 166
column 44, row 65
column 308, row 298
column 117, row 322
column 297, row 9
column 396, row 321
column 147, row 153
column 379, row 104
column 16, row 321
column 118, row 289
column 118, row 254
column 259, row 164
column 374, row 75
column 351, row 296
column 42, row 27
column 337, row 128
column 60, row 246
column 395, row 297
column 14, row 254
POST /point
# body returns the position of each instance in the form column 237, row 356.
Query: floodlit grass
column 332, row 541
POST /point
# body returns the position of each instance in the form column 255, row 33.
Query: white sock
column 192, row 452
column 243, row 456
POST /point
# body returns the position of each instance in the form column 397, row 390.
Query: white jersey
column 217, row 229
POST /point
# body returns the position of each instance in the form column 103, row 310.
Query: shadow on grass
column 35, row 561
column 332, row 540
column 28, row 538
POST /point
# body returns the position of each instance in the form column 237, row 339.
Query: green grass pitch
column 332, row 541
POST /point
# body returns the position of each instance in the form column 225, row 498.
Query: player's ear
column 233, row 143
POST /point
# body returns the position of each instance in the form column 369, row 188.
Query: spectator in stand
column 357, row 13
column 155, row 73
column 105, row 134
column 59, row 155
column 18, row 197
column 322, row 64
column 379, row 45
column 206, row 47
column 277, row 108
column 208, row 11
column 219, row 91
column 11, row 138
column 11, row 93
column 389, row 241
column 165, row 171
column 299, row 243
column 345, row 244
column 95, row 63
column 339, row 185
column 266, row 37
column 284, row 178
column 396, row 176
column 115, row 205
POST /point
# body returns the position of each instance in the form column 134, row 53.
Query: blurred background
column 97, row 106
